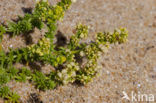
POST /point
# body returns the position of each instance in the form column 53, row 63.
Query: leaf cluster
column 9, row 96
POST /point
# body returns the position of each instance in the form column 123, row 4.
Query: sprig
column 42, row 82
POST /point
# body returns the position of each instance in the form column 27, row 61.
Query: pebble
column 11, row 46
column 139, row 85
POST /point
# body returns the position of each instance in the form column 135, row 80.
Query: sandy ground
column 128, row 67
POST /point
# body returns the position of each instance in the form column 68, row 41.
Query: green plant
column 42, row 82
column 21, row 27
column 68, row 60
column 4, row 91
column 12, row 72
column 13, row 98
column 95, row 49
column 4, row 78
column 8, row 95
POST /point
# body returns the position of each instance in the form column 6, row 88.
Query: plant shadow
column 61, row 40
column 34, row 98
column 27, row 10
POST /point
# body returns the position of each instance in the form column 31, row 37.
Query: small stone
column 11, row 46
column 139, row 85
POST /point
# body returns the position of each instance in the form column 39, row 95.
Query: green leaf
column 2, row 31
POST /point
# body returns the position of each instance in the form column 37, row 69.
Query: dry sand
column 127, row 67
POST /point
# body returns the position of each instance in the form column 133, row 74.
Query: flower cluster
column 65, row 4
column 90, row 70
column 91, row 51
column 68, row 74
column 87, row 73
column 95, row 49
column 81, row 32
column 41, row 9
column 41, row 48
column 118, row 36
column 58, row 13
column 51, row 13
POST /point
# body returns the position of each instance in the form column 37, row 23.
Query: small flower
column 77, row 67
column 73, row 1
column 60, row 75
column 66, row 77
column 73, row 74
column 99, row 54
column 67, row 50
column 82, row 54
column 82, row 35
column 72, row 64
column 65, row 82
column 103, row 48
column 69, row 66
column 64, row 71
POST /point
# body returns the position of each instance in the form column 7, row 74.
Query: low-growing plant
column 4, row 91
column 77, row 61
column 42, row 82
column 9, row 96
column 4, row 78
column 13, row 98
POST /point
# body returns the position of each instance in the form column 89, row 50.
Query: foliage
column 68, row 60
column 9, row 96
column 4, row 78
column 21, row 27
column 42, row 82
column 13, row 98
column 4, row 91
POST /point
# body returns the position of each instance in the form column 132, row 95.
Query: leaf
column 2, row 31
